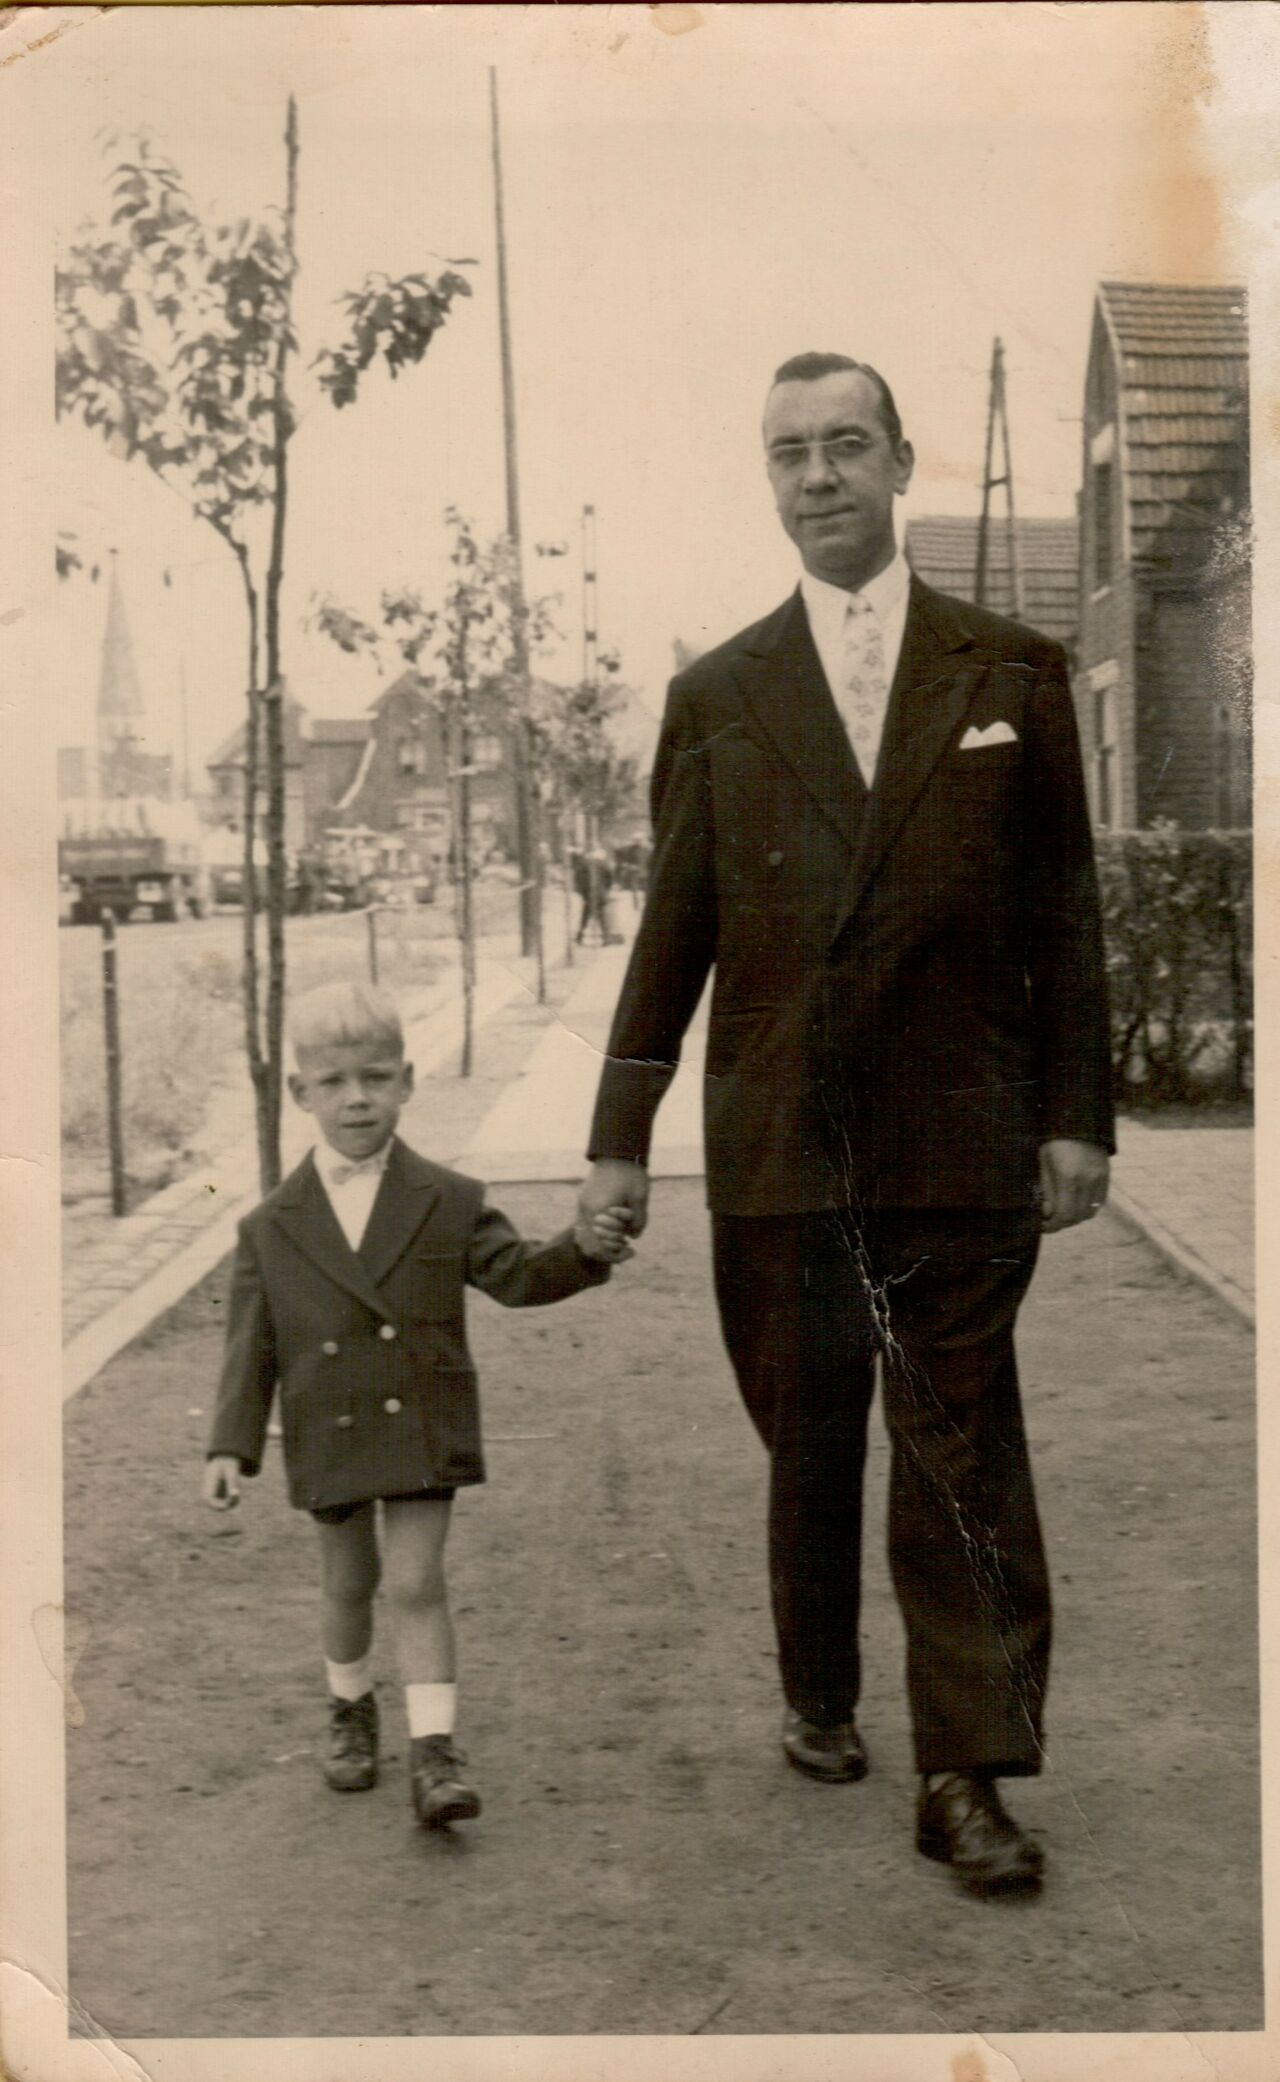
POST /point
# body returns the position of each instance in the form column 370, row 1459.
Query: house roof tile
column 943, row 550
column 1181, row 353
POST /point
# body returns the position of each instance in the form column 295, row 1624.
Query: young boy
column 348, row 1293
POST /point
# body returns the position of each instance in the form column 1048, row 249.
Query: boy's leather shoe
column 962, row 1822
column 440, row 1792
column 834, row 1754
column 351, row 1761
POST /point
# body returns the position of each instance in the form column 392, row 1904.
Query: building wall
column 406, row 785
column 328, row 769
column 1195, row 767
column 226, row 803
column 1105, row 681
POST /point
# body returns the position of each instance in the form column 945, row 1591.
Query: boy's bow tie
column 340, row 1173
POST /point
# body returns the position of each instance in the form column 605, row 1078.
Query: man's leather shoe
column 834, row 1754
column 962, row 1822
column 351, row 1761
column 440, row 1792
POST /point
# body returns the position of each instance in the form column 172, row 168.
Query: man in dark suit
column 870, row 822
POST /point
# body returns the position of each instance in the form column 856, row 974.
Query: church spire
column 120, row 703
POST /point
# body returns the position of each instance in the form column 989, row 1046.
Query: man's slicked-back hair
column 807, row 368
column 334, row 1015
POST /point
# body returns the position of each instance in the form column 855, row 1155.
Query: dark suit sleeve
column 1066, row 960
column 674, row 947
column 249, row 1367
column 527, row 1275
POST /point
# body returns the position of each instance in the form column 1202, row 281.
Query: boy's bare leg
column 414, row 1531
column 349, row 1578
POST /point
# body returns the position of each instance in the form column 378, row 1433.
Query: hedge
column 1178, row 914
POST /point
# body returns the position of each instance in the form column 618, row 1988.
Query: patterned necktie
column 340, row 1173
column 863, row 695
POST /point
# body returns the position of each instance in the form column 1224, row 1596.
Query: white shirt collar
column 828, row 604
column 328, row 1160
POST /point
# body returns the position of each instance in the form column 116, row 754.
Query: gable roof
column 231, row 751
column 340, row 730
column 1181, row 357
column 943, row 550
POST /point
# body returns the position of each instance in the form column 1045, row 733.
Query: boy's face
column 355, row 1089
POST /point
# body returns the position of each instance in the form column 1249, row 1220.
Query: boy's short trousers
column 338, row 1514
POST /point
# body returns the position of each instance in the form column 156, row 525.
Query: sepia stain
column 969, row 2067
column 676, row 19
column 62, row 1638
column 1189, row 218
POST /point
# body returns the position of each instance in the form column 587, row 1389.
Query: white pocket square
column 975, row 740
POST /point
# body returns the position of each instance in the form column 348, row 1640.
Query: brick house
column 943, row 551
column 1162, row 671
column 321, row 758
column 401, row 782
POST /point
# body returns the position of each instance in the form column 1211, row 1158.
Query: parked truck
column 130, row 856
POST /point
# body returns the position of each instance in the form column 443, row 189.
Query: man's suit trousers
column 806, row 1303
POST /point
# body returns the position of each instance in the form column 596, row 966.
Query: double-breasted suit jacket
column 368, row 1348
column 909, row 990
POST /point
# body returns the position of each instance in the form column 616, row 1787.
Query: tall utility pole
column 527, row 848
column 997, row 408
column 590, row 633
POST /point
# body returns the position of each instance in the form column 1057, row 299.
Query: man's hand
column 221, row 1485
column 613, row 1186
column 1073, row 1183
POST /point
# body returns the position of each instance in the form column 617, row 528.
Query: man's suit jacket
column 909, row 982
column 369, row 1347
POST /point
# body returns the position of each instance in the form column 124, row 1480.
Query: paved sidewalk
column 1191, row 1191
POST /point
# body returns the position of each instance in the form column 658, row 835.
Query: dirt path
column 645, row 1862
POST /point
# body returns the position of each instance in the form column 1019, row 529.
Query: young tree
column 582, row 774
column 176, row 344
column 468, row 654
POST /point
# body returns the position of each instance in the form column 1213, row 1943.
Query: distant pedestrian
column 593, row 880
column 348, row 1293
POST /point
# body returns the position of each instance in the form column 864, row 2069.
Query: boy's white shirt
column 352, row 1199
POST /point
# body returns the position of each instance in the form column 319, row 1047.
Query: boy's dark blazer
column 369, row 1347
column 910, row 989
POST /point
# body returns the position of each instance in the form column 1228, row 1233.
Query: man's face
column 355, row 1089
column 835, row 474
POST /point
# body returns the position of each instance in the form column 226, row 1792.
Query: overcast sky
column 687, row 205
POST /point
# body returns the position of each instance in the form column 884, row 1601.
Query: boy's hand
column 220, row 1487
column 605, row 1235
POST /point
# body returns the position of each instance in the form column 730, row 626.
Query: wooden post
column 371, row 920
column 111, row 1023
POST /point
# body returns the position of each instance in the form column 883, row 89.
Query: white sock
column 349, row 1680
column 431, row 1708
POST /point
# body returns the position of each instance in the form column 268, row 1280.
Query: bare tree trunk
column 459, row 742
column 539, row 877
column 250, row 992
column 466, row 906
column 276, row 865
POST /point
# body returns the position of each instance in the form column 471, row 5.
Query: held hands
column 605, row 1236
column 613, row 1204
column 1073, row 1183
column 220, row 1486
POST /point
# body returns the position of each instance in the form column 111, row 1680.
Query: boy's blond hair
column 338, row 1014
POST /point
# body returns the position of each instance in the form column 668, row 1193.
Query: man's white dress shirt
column 831, row 610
